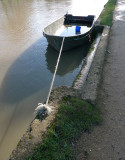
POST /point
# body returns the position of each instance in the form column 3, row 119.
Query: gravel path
column 107, row 142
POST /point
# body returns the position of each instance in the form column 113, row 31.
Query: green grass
column 73, row 117
column 107, row 15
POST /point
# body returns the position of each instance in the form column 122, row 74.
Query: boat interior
column 70, row 25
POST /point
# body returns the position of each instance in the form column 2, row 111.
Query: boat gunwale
column 86, row 34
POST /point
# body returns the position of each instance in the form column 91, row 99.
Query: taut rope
column 55, row 71
column 42, row 107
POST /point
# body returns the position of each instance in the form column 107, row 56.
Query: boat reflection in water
column 69, row 59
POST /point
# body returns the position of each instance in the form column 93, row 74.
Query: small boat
column 76, row 30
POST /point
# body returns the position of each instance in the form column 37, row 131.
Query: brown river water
column 27, row 62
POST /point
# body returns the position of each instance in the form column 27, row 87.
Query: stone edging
column 90, row 88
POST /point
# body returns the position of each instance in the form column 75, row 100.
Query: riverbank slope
column 106, row 142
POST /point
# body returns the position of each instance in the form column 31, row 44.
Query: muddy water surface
column 27, row 62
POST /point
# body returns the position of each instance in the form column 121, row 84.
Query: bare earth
column 107, row 142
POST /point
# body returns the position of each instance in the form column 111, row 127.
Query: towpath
column 107, row 142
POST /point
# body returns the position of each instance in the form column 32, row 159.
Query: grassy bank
column 107, row 16
column 73, row 117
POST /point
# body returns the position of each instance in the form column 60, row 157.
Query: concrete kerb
column 89, row 89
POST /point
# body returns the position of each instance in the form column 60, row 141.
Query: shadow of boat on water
column 25, row 75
